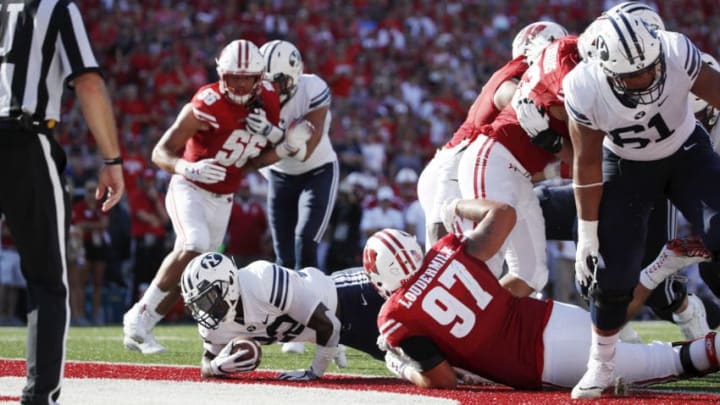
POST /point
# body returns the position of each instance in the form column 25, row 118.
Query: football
column 254, row 352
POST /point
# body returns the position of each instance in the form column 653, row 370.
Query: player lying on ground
column 270, row 303
column 448, row 309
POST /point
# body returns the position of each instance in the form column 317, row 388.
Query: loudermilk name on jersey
column 421, row 283
column 638, row 132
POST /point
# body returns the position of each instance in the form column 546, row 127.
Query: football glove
column 295, row 144
column 207, row 171
column 227, row 362
column 258, row 124
column 448, row 212
column 588, row 252
column 536, row 123
column 298, row 375
column 399, row 364
column 323, row 357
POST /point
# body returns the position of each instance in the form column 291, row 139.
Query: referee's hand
column 111, row 183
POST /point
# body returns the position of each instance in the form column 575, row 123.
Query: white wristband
column 275, row 135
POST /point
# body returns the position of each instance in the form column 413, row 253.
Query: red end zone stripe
column 464, row 395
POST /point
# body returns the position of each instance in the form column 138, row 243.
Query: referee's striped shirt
column 42, row 45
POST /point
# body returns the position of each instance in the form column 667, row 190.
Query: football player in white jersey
column 269, row 303
column 302, row 189
column 635, row 139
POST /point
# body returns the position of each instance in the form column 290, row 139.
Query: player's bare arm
column 707, row 85
column 587, row 169
column 323, row 325
column 167, row 151
column 317, row 119
column 495, row 221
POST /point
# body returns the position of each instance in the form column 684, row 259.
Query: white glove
column 450, row 219
column 382, row 343
column 323, row 356
column 340, row 358
column 207, row 171
column 400, row 365
column 588, row 252
column 531, row 118
column 227, row 362
column 295, row 144
column 258, row 124
column 297, row 375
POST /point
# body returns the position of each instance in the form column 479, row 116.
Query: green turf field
column 184, row 348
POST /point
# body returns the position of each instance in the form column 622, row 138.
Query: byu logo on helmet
column 211, row 260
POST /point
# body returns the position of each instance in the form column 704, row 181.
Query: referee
column 44, row 46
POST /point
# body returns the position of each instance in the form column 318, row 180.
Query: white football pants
column 487, row 170
column 199, row 217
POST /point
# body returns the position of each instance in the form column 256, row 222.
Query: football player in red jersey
column 447, row 315
column 438, row 181
column 499, row 162
column 206, row 149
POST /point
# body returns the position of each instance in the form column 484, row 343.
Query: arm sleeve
column 423, row 351
column 576, row 105
column 289, row 294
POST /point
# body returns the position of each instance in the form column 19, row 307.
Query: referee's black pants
column 36, row 206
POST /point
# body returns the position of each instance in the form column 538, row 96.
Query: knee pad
column 667, row 298
column 608, row 308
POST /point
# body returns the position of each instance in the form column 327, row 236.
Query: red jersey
column 457, row 303
column 227, row 141
column 483, row 110
column 139, row 201
column 542, row 82
column 248, row 222
column 83, row 213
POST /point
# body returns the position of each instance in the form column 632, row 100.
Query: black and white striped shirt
column 43, row 45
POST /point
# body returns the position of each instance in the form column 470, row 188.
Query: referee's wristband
column 115, row 161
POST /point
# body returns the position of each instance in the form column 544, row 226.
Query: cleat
column 150, row 346
column 674, row 256
column 293, row 347
column 693, row 321
column 137, row 331
column 599, row 377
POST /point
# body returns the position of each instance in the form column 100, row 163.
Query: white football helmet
column 283, row 66
column 643, row 11
column 240, row 58
column 390, row 258
column 210, row 289
column 704, row 111
column 627, row 46
column 533, row 38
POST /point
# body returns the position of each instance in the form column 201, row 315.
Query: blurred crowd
column 403, row 74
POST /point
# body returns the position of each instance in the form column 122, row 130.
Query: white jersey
column 277, row 305
column 642, row 132
column 312, row 93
